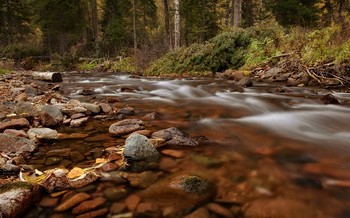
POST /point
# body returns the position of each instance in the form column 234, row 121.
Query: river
column 267, row 145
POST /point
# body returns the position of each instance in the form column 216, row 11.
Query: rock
column 279, row 207
column 327, row 170
column 79, row 122
column 139, row 147
column 30, row 90
column 74, row 110
column 114, row 176
column 56, row 181
column 231, row 74
column 15, row 144
column 152, row 116
column 89, row 205
column 293, row 82
column 126, row 126
column 147, row 209
column 48, row 202
column 51, row 115
column 174, row 136
column 186, row 191
column 16, row 198
column 64, row 152
column 245, row 82
column 108, row 167
column 330, row 99
column 15, row 124
column 76, row 156
column 87, row 92
column 142, row 180
column 94, row 108
column 52, row 161
column 126, row 111
column 96, row 213
column 18, row 133
column 77, row 116
column 106, row 108
column 117, row 208
column 220, row 210
column 201, row 212
column 36, row 134
column 74, row 103
column 72, row 201
column 115, row 194
column 89, row 178
column 21, row 97
column 10, row 168
column 272, row 73
column 132, row 201
column 26, row 108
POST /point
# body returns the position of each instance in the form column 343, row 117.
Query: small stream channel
column 267, row 145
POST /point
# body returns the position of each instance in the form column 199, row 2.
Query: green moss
column 15, row 185
column 86, row 66
column 4, row 71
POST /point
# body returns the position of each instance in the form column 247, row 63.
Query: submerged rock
column 175, row 136
column 126, row 126
column 17, row 198
column 245, row 82
column 36, row 134
column 139, row 147
column 71, row 202
column 15, row 144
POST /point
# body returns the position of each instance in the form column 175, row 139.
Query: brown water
column 288, row 146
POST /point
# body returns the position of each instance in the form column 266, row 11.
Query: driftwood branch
column 47, row 76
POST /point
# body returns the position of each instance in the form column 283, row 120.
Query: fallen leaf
column 75, row 172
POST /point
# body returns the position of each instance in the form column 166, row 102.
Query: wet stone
column 126, row 126
column 36, row 134
column 115, row 194
column 14, row 144
column 175, row 136
column 48, row 202
column 173, row 153
column 147, row 209
column 220, row 210
column 117, row 208
column 94, row 108
column 86, row 180
column 14, row 124
column 199, row 213
column 76, row 156
column 89, row 205
column 139, row 147
column 51, row 115
column 72, row 201
column 18, row 133
column 77, row 116
column 142, row 180
column 245, row 82
column 106, row 108
column 79, row 122
column 52, row 161
column 132, row 201
column 64, row 152
column 96, row 213
column 128, row 111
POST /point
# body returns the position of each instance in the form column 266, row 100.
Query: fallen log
column 48, row 76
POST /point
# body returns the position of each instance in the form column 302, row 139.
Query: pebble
column 117, row 208
column 147, row 209
column 132, row 201
column 115, row 193
column 173, row 153
column 48, row 202
column 89, row 205
column 93, row 214
column 220, row 210
column 71, row 202
column 199, row 213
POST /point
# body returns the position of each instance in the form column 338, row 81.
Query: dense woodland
column 148, row 29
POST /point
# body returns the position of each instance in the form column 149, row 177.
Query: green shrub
column 125, row 65
column 19, row 51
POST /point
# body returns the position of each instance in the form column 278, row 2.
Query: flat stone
column 126, row 111
column 147, row 209
column 87, row 180
column 175, row 136
column 201, row 212
column 220, row 210
column 126, row 126
column 117, row 208
column 18, row 133
column 15, row 124
column 132, row 201
column 77, row 116
column 94, row 108
column 106, row 108
column 142, row 180
column 64, row 152
column 27, row 108
column 76, row 156
column 89, row 205
column 15, row 144
column 36, row 134
column 115, row 194
column 71, row 202
column 79, row 122
column 173, row 153
column 75, row 110
column 96, row 213
column 48, row 202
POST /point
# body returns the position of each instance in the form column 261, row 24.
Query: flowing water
column 264, row 143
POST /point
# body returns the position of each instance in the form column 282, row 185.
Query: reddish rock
column 334, row 171
column 173, row 153
column 97, row 213
column 15, row 124
column 15, row 144
column 18, row 133
column 48, row 202
column 132, row 201
column 220, row 210
column 199, row 213
column 147, row 209
column 89, row 205
column 175, row 136
column 64, row 152
column 107, row 167
column 167, row 163
column 126, row 126
column 71, row 202
column 106, row 108
column 117, row 208
column 88, row 179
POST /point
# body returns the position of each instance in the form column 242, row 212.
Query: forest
column 171, row 37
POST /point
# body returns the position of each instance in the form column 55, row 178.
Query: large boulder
column 17, row 198
column 139, row 147
column 126, row 126
column 175, row 136
column 94, row 108
column 50, row 115
column 14, row 124
column 15, row 144
column 37, row 134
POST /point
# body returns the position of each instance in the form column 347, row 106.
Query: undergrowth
column 257, row 46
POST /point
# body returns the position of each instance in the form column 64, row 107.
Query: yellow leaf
column 101, row 160
column 75, row 172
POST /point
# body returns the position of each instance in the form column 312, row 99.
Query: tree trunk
column 237, row 16
column 167, row 23
column 95, row 23
column 177, row 24
column 134, row 24
column 47, row 76
column 227, row 17
column 249, row 13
